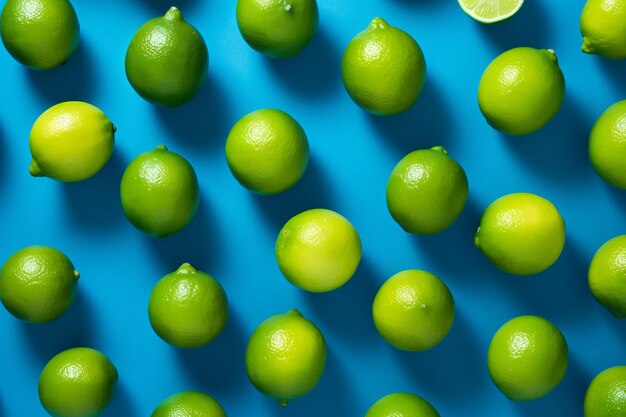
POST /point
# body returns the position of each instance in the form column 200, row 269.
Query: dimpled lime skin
column 527, row 358
column 383, row 69
column 318, row 250
column 286, row 356
column 267, row 151
column 521, row 90
column 41, row 34
column 167, row 60
column 38, row 284
column 189, row 404
column 606, row 395
column 277, row 28
column 160, row 192
column 188, row 308
column 402, row 404
column 427, row 191
column 607, row 145
column 522, row 234
column 603, row 26
column 77, row 382
column 607, row 276
column 413, row 310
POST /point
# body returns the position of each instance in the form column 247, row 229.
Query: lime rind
column 490, row 11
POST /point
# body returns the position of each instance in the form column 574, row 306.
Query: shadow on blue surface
column 201, row 124
column 419, row 3
column 614, row 69
column 121, row 404
column 95, row 202
column 4, row 160
column 314, row 72
column 161, row 6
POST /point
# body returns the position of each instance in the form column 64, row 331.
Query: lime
column 267, row 151
column 188, row 308
column 77, row 382
column 607, row 145
column 160, row 192
column 521, row 90
column 318, row 250
column 41, row 34
column 522, row 234
column 603, row 26
column 167, row 60
column 286, row 356
column 189, row 404
column 383, row 69
column 490, row 11
column 402, row 404
column 607, row 276
column 71, row 142
column 606, row 395
column 277, row 28
column 527, row 358
column 426, row 191
column 38, row 284
column 413, row 310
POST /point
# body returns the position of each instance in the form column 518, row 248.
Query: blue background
column 232, row 237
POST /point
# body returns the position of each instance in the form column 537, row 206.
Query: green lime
column 77, row 382
column 402, row 404
column 38, row 284
column 490, row 11
column 607, row 145
column 521, row 90
column 160, row 192
column 71, row 142
column 188, row 308
column 527, row 358
column 383, row 69
column 167, row 60
column 607, row 276
column 522, row 234
column 267, row 151
column 189, row 404
column 427, row 191
column 318, row 250
column 606, row 395
column 603, row 26
column 413, row 310
column 277, row 28
column 286, row 356
column 41, row 34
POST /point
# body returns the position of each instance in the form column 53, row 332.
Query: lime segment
column 490, row 11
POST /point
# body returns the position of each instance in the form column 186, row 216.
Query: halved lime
column 490, row 11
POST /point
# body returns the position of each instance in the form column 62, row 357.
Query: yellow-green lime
column 189, row 404
column 402, row 404
column 607, row 276
column 38, row 284
column 521, row 90
column 71, row 142
column 188, row 308
column 78, row 382
column 167, row 60
column 607, row 145
column 383, row 69
column 427, row 191
column 318, row 250
column 41, row 34
column 286, row 356
column 603, row 26
column 606, row 395
column 413, row 310
column 527, row 358
column 267, row 151
column 160, row 192
column 522, row 234
column 277, row 28
column 490, row 11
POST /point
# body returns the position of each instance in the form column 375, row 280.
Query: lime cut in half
column 490, row 11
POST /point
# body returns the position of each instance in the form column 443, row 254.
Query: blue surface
column 353, row 153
